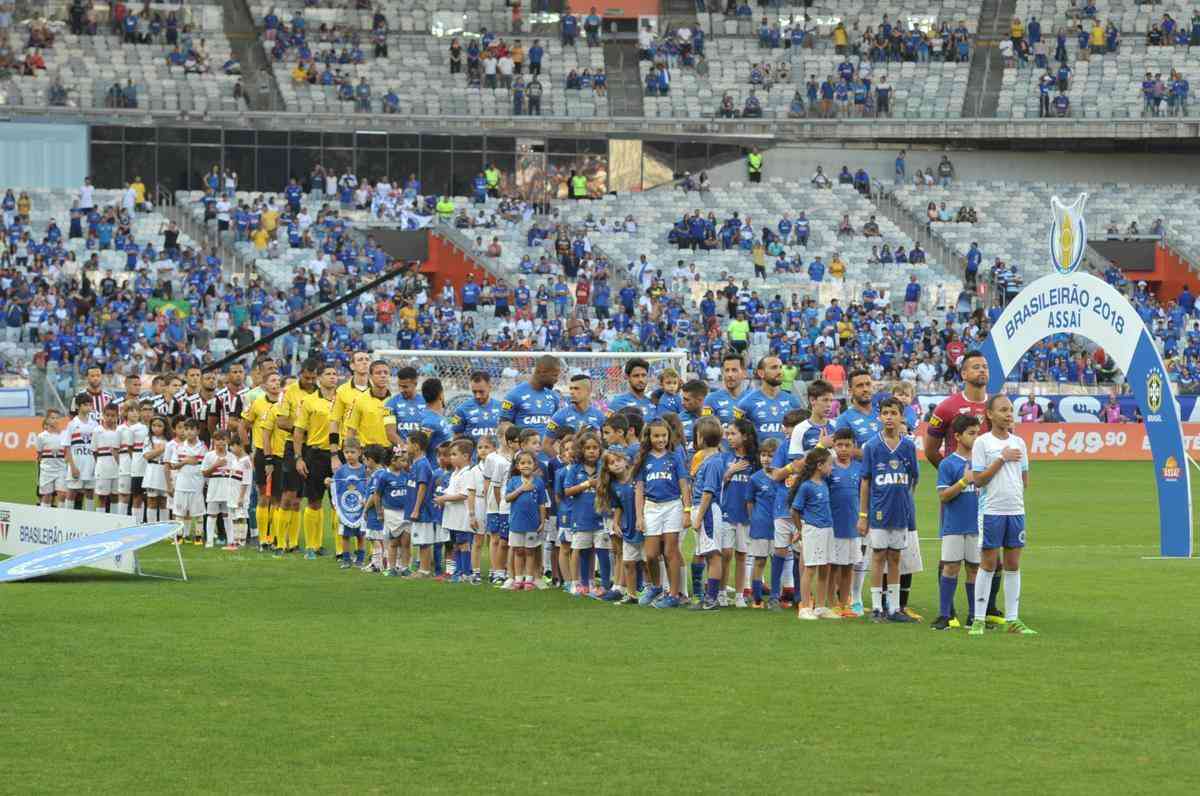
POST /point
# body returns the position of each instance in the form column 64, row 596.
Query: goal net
column 509, row 368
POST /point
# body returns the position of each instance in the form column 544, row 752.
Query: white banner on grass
column 25, row 529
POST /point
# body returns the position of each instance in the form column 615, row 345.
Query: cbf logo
column 1068, row 233
column 1154, row 391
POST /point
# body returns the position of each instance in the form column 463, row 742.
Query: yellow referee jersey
column 313, row 418
column 343, row 403
column 369, row 420
column 256, row 414
column 289, row 405
column 279, row 437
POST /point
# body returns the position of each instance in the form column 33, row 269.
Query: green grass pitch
column 263, row 675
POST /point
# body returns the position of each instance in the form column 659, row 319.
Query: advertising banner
column 17, row 438
column 91, row 550
column 31, row 529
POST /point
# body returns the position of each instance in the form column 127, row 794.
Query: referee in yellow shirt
column 254, row 431
column 371, row 422
column 343, row 401
column 290, row 482
column 310, row 444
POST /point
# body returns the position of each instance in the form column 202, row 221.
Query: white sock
column 1012, row 593
column 210, row 529
column 856, row 584
column 788, row 580
column 122, row 508
column 893, row 594
column 876, row 598
column 749, row 575
column 89, row 503
column 983, row 589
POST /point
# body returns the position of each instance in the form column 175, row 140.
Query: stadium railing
column 742, row 130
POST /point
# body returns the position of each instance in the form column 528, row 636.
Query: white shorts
column 815, row 543
column 783, row 534
column 602, row 540
column 960, row 547
column 706, row 544
column 528, row 541
column 124, row 485
column 49, row 483
column 663, row 517
column 217, row 507
column 845, row 552
column 736, row 536
column 888, row 538
column 632, row 551
column 583, row 540
column 441, row 534
column 79, row 484
column 761, row 548
column 910, row 556
column 563, row 535
column 188, row 504
column 376, row 534
column 422, row 532
column 105, row 486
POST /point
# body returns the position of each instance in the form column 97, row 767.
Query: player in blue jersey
column 845, row 481
column 890, row 474
column 420, row 513
column 525, row 493
column 763, row 494
column 375, row 460
column 533, row 403
column 816, row 430
column 740, row 463
column 391, row 497
column 723, row 401
column 431, row 417
column 579, row 413
column 1000, row 471
column 692, row 409
column 960, row 522
column 562, row 510
column 479, row 416
column 664, row 509
column 637, row 376
column 406, row 404
column 766, row 406
column 812, row 516
column 708, row 471
column 859, row 416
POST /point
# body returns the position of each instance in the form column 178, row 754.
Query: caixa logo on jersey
column 1068, row 233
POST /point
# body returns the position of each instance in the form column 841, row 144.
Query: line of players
column 632, row 490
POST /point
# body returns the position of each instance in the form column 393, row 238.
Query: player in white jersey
column 129, row 413
column 477, row 489
column 154, row 480
column 139, row 436
column 106, row 448
column 224, row 486
column 52, row 471
column 496, row 469
column 77, row 452
column 240, row 510
column 1000, row 471
column 189, row 481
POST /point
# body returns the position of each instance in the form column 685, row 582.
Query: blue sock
column 464, row 563
column 796, row 576
column 641, row 575
column 757, row 589
column 360, row 555
column 605, row 557
column 969, row 588
column 992, row 609
column 697, row 576
column 948, row 587
column 777, row 564
column 585, row 567
column 711, row 588
column 438, row 551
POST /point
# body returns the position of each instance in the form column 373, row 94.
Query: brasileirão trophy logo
column 1068, row 234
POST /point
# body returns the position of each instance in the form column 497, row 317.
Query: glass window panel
column 173, row 167
column 562, row 146
column 173, row 135
column 140, row 162
column 105, row 132
column 338, row 140
column 468, row 143
column 206, row 135
column 370, row 140
column 436, row 172
column 240, row 159
column 404, row 141
column 200, row 163
column 691, row 156
column 303, row 138
column 239, row 138
column 594, row 146
column 436, row 142
column 107, row 167
column 272, row 169
column 501, row 145
column 339, row 160
column 272, row 138
column 400, row 165
column 371, row 164
column 139, row 134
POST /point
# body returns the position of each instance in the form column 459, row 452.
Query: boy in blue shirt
column 960, row 522
column 348, row 495
column 848, row 549
column 420, row 506
column 886, row 510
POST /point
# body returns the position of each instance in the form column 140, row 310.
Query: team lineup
column 541, row 490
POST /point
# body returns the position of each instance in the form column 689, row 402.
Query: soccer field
column 264, row 675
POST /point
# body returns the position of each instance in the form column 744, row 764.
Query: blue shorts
column 1002, row 530
column 498, row 524
column 463, row 537
column 350, row 533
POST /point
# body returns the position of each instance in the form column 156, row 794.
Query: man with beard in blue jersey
column 860, row 416
column 579, row 412
column 406, row 405
column 432, row 419
column 637, row 375
column 766, row 406
column 479, row 416
column 723, row 401
column 693, row 395
column 531, row 404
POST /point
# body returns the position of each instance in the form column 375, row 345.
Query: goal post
column 507, row 369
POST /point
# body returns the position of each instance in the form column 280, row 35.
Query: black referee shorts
column 260, row 471
column 289, row 479
column 319, row 463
